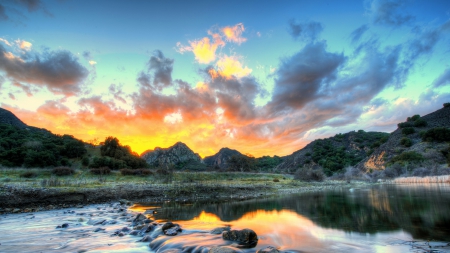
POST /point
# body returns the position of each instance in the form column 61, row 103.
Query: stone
column 139, row 219
column 245, row 236
column 268, row 249
column 219, row 230
column 146, row 239
column 173, row 231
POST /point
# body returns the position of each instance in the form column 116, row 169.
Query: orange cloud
column 25, row 45
column 203, row 49
column 234, row 33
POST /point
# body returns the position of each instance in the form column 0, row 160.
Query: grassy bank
column 43, row 190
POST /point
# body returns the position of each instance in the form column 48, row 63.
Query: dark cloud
column 31, row 5
column 390, row 12
column 301, row 77
column 26, row 88
column 11, row 96
column 358, row 32
column 59, row 71
column 3, row 16
column 117, row 92
column 443, row 79
column 87, row 55
column 308, row 31
column 162, row 69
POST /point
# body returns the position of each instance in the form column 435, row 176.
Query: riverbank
column 20, row 197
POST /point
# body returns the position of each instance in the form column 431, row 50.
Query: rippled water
column 378, row 219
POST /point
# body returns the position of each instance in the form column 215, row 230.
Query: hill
column 419, row 139
column 335, row 153
column 178, row 155
column 221, row 159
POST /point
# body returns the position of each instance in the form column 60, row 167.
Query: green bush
column 409, row 156
column 405, row 124
column 62, row 171
column 101, row 171
column 413, row 118
column 408, row 130
column 406, row 142
column 136, row 172
column 446, row 105
column 420, row 123
column 28, row 174
column 439, row 134
column 85, row 161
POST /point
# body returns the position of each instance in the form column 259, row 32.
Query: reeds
column 422, row 180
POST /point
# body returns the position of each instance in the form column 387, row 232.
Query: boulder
column 245, row 236
column 219, row 230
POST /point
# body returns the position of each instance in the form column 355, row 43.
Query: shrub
column 136, row 172
column 439, row 134
column 406, row 142
column 421, row 172
column 408, row 130
column 101, row 171
column 413, row 118
column 276, row 180
column 394, row 171
column 127, row 172
column 409, row 156
column 446, row 105
column 420, row 123
column 404, row 124
column 309, row 174
column 85, row 161
column 62, row 171
column 28, row 174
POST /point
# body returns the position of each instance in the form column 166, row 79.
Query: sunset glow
column 264, row 79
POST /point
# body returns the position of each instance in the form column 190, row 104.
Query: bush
column 446, row 105
column 28, row 174
column 406, row 142
column 276, row 180
column 309, row 174
column 420, row 123
column 410, row 156
column 408, row 130
column 439, row 134
column 404, row 124
column 101, row 171
column 85, row 161
column 136, row 172
column 413, row 118
column 394, row 171
column 62, row 171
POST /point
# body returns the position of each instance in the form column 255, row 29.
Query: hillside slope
column 178, row 154
column 407, row 138
column 221, row 159
column 334, row 153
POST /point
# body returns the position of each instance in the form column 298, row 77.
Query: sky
column 261, row 77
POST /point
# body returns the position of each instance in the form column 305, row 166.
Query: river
column 381, row 218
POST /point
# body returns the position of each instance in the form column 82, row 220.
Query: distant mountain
column 334, row 153
column 178, row 154
column 406, row 142
column 220, row 160
column 8, row 118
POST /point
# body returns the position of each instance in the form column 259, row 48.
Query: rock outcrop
column 393, row 147
column 177, row 154
column 220, row 160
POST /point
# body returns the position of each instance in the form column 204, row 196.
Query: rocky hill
column 220, row 160
column 8, row 118
column 177, row 154
column 407, row 142
column 334, row 153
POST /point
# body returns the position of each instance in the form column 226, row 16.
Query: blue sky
column 265, row 78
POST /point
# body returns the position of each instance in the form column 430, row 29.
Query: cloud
column 389, row 12
column 22, row 44
column 5, row 41
column 12, row 11
column 162, row 69
column 307, row 31
column 229, row 66
column 87, row 55
column 234, row 33
column 358, row 32
column 59, row 71
column 26, row 88
column 203, row 49
column 11, row 96
column 443, row 79
column 300, row 77
column 117, row 92
column 173, row 118
column 92, row 63
column 3, row 16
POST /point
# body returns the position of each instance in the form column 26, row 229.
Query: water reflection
column 421, row 211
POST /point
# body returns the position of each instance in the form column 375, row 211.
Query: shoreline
column 21, row 199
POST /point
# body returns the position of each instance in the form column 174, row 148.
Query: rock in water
column 245, row 236
column 140, row 218
column 218, row 231
column 223, row 249
column 268, row 249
